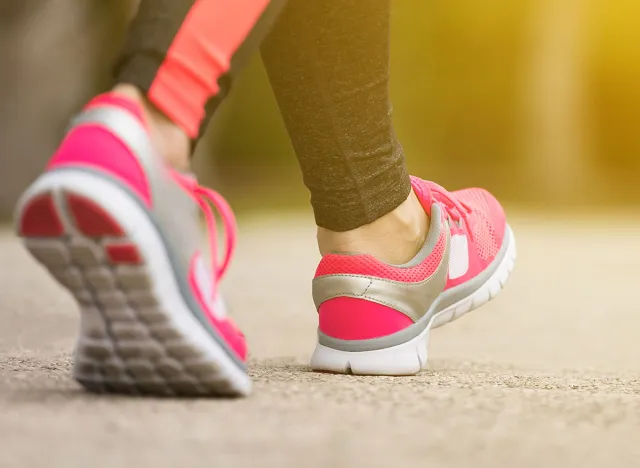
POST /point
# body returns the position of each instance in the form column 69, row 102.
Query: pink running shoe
column 375, row 318
column 121, row 231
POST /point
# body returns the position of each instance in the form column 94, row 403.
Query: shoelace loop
column 206, row 199
column 456, row 209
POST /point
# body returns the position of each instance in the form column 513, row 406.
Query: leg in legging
column 328, row 63
column 180, row 59
column 108, row 193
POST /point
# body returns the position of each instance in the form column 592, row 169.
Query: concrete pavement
column 548, row 374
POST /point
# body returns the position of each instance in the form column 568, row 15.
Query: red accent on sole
column 40, row 218
column 91, row 219
column 123, row 254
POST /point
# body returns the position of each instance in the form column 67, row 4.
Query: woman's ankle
column 394, row 238
column 171, row 142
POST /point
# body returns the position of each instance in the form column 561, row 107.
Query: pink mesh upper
column 486, row 220
column 472, row 213
column 488, row 230
column 370, row 266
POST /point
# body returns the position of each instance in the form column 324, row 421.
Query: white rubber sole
column 411, row 357
column 137, row 333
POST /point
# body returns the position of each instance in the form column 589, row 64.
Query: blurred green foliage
column 455, row 75
column 471, row 85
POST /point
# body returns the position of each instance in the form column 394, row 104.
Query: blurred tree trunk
column 53, row 53
column 556, row 98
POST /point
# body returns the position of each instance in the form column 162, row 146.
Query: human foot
column 375, row 317
column 117, row 227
